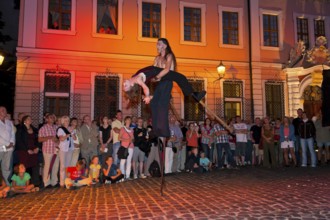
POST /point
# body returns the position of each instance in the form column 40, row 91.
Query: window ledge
column 57, row 94
column 271, row 48
column 192, row 43
column 64, row 32
column 148, row 39
column 108, row 36
column 233, row 46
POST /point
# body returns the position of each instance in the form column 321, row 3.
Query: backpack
column 65, row 131
column 154, row 169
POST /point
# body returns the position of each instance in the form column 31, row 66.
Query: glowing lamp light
column 1, row 59
column 221, row 69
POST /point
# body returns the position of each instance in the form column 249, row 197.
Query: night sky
column 9, row 16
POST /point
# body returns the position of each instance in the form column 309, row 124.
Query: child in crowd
column 4, row 189
column 75, row 176
column 192, row 163
column 21, row 180
column 111, row 172
column 204, row 163
column 94, row 169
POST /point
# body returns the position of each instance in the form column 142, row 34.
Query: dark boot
column 198, row 95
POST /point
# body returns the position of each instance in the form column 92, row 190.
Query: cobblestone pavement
column 247, row 193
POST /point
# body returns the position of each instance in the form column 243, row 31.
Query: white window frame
column 279, row 15
column 264, row 82
column 222, row 9
column 229, row 99
column 203, row 23
column 57, row 94
column 162, row 22
column 182, row 96
column 311, row 34
column 119, row 34
column 93, row 75
column 53, row 31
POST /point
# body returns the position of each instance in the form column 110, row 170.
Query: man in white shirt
column 7, row 142
column 241, row 131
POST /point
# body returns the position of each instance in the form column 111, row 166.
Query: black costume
column 160, row 102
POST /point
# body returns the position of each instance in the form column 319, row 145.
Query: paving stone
column 248, row 193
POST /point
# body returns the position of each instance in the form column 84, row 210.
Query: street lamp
column 221, row 69
column 1, row 59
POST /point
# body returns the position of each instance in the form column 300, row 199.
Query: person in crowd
column 111, row 172
column 192, row 136
column 222, row 144
column 241, row 130
column 20, row 116
column 44, row 121
column 267, row 134
column 21, row 180
column 105, row 138
column 125, row 152
column 76, row 176
column 204, row 163
column 116, row 126
column 306, row 130
column 207, row 138
column 277, row 143
column 140, row 137
column 77, row 142
column 192, row 164
column 90, row 142
column 27, row 148
column 249, row 146
column 287, row 138
column 66, row 146
column 256, row 137
column 94, row 170
column 297, row 144
column 154, row 150
column 7, row 142
column 4, row 188
column 173, row 147
column 232, row 139
column 134, row 122
column 47, row 136
column 322, row 139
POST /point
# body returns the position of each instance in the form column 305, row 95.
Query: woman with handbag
column 125, row 152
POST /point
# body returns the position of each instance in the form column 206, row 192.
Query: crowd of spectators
column 69, row 152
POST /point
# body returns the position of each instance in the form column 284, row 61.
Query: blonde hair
column 65, row 118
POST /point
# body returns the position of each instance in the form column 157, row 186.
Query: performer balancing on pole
column 162, row 71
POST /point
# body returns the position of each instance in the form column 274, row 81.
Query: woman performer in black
column 163, row 71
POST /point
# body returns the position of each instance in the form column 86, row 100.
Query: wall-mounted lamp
column 2, row 58
column 221, row 69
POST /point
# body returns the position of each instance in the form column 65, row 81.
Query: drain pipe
column 250, row 58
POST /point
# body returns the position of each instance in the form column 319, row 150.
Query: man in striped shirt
column 47, row 136
column 222, row 143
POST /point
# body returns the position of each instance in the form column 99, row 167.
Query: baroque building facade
column 72, row 57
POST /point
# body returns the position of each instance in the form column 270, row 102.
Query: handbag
column 122, row 152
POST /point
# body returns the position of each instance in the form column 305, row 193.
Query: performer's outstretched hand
column 147, row 99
